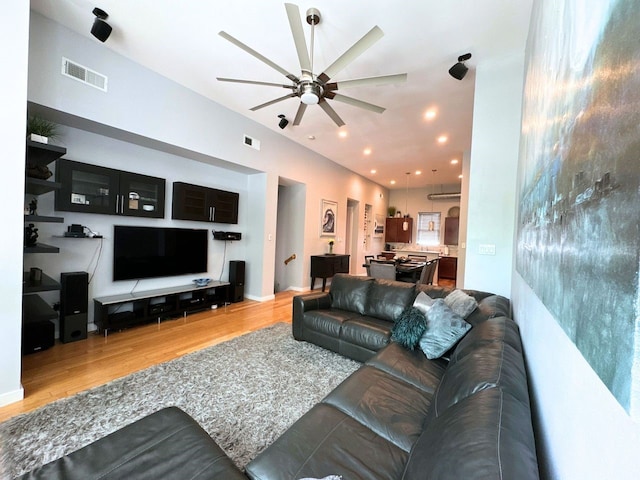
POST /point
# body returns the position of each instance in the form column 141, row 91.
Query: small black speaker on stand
column 236, row 279
column 74, row 304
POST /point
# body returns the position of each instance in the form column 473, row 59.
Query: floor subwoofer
column 74, row 304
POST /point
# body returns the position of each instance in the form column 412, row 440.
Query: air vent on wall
column 443, row 196
column 83, row 74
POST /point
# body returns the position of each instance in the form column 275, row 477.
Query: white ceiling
column 179, row 39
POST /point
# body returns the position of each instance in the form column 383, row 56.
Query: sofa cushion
column 486, row 435
column 391, row 407
column 489, row 366
column 444, row 329
column 167, row 444
column 410, row 366
column 461, row 303
column 409, row 328
column 328, row 322
column 371, row 333
column 492, row 330
column 326, row 441
column 387, row 299
column 350, row 292
column 423, row 302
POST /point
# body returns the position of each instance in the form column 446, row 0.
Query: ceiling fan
column 314, row 89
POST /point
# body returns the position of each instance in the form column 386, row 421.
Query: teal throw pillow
column 409, row 327
column 444, row 329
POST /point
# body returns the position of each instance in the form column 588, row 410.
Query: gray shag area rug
column 244, row 392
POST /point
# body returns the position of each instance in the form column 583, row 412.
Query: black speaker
column 236, row 272
column 74, row 303
column 37, row 336
column 236, row 293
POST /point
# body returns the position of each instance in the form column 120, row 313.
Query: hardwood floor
column 69, row 368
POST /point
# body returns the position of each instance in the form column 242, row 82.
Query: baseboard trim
column 11, row 397
column 266, row 298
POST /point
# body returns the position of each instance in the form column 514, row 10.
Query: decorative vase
column 330, row 249
column 39, row 138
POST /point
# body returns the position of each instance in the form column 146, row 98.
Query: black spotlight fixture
column 283, row 121
column 459, row 70
column 101, row 29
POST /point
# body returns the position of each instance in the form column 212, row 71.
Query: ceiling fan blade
column 299, row 114
column 254, row 82
column 367, row 82
column 350, row 55
column 293, row 12
column 260, row 57
column 357, row 103
column 271, row 102
column 331, row 112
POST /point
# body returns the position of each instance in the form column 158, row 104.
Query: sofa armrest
column 304, row 303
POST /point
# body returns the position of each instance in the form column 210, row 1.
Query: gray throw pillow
column 444, row 329
column 461, row 303
column 423, row 302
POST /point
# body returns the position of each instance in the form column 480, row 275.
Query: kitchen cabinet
column 447, row 267
column 94, row 189
column 451, row 225
column 394, row 232
column 204, row 204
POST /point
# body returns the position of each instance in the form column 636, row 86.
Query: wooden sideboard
column 326, row 266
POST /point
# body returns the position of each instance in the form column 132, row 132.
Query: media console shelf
column 116, row 312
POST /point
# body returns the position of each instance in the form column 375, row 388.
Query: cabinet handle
column 210, row 214
column 213, row 213
column 121, row 203
column 117, row 202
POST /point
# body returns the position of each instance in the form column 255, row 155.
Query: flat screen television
column 150, row 252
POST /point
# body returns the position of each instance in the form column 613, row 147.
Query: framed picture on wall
column 378, row 227
column 328, row 218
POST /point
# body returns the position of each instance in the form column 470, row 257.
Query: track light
column 101, row 29
column 459, row 70
column 283, row 121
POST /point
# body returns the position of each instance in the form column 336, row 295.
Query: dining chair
column 368, row 258
column 426, row 277
column 417, row 258
column 382, row 270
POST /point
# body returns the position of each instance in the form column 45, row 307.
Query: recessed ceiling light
column 459, row 176
column 311, row 137
column 367, row 151
column 342, row 134
column 418, row 172
column 430, row 114
column 373, row 170
column 454, row 161
column 443, row 139
column 392, row 182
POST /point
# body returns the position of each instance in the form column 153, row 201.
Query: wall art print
column 578, row 229
column 378, row 229
column 328, row 218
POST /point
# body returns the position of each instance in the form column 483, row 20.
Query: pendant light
column 432, row 224
column 405, row 224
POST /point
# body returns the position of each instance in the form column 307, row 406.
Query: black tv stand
column 116, row 312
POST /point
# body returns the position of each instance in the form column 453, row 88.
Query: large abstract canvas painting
column 578, row 231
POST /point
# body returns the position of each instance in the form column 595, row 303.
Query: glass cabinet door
column 141, row 195
column 86, row 188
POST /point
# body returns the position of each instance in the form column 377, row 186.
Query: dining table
column 406, row 271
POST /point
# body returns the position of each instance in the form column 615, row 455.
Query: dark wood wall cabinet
column 94, row 189
column 451, row 226
column 394, row 231
column 448, row 267
column 326, row 266
column 204, row 204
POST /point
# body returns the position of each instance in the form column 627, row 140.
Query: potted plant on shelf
column 391, row 211
column 41, row 130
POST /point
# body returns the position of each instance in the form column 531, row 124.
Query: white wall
column 14, row 44
column 582, row 431
column 492, row 202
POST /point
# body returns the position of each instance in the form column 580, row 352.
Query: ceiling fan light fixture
column 310, row 94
